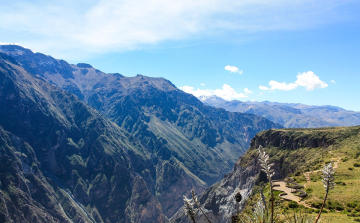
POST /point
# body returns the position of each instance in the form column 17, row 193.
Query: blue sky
column 284, row 51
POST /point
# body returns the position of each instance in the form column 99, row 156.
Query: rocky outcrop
column 219, row 199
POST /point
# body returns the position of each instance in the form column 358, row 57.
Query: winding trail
column 336, row 165
column 288, row 192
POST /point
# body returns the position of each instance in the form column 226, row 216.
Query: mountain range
column 289, row 115
column 80, row 145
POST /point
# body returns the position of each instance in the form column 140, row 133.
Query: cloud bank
column 116, row 25
column 308, row 80
column 227, row 92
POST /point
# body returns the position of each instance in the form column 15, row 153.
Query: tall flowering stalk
column 266, row 168
column 328, row 180
column 189, row 208
column 197, row 202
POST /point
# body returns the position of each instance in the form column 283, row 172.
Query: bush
column 309, row 190
column 340, row 183
column 316, row 204
column 356, row 164
column 357, row 219
column 352, row 204
column 293, row 204
column 350, row 168
column 336, row 205
column 354, row 214
column 339, row 208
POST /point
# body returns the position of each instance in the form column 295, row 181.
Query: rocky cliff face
column 290, row 150
column 176, row 142
column 64, row 162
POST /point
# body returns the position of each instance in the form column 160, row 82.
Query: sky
column 299, row 51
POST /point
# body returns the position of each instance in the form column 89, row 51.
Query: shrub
column 293, row 204
column 350, row 168
column 354, row 214
column 356, row 164
column 351, row 205
column 309, row 190
column 339, row 207
column 336, row 205
column 340, row 183
column 316, row 204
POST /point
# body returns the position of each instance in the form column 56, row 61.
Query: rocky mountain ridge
column 72, row 163
column 290, row 115
column 163, row 141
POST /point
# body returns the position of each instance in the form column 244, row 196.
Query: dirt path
column 288, row 195
column 336, row 165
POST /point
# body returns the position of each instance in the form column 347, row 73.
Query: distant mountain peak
column 16, row 45
column 15, row 49
column 211, row 97
column 84, row 65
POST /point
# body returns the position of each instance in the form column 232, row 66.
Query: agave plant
column 301, row 218
column 259, row 215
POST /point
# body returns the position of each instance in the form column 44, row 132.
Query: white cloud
column 274, row 85
column 233, row 69
column 202, row 84
column 307, row 79
column 310, row 81
column 113, row 25
column 198, row 92
column 247, row 91
column 282, row 86
column 332, row 81
column 227, row 92
column 264, row 88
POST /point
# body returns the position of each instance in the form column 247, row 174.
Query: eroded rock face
column 143, row 207
column 63, row 161
column 219, row 200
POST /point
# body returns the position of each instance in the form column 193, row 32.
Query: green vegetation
column 342, row 147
